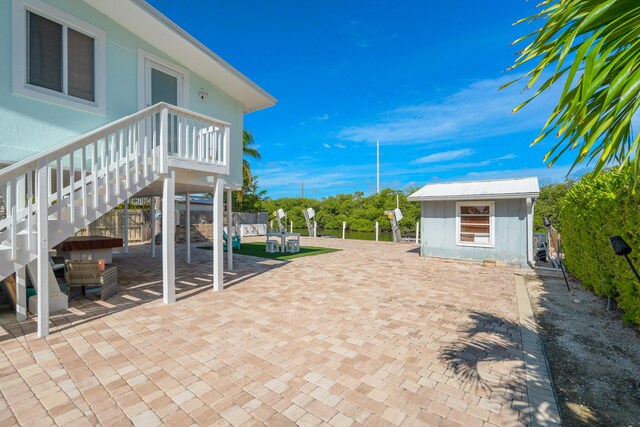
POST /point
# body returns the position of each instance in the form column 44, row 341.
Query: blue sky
column 420, row 76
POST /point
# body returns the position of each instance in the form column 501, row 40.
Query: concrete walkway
column 371, row 335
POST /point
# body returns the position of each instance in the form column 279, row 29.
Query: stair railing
column 98, row 168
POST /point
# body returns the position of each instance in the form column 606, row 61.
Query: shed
column 478, row 220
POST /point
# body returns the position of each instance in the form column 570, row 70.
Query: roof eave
column 473, row 197
column 251, row 96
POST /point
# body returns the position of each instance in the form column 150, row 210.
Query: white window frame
column 146, row 60
column 19, row 34
column 492, row 228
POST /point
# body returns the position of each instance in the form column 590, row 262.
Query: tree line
column 359, row 211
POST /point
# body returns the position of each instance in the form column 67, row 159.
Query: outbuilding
column 478, row 220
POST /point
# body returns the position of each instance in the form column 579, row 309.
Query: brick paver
column 371, row 335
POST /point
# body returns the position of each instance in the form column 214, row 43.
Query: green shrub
column 595, row 208
column 549, row 205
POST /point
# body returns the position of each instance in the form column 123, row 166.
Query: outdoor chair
column 87, row 274
column 293, row 244
column 235, row 240
column 272, row 246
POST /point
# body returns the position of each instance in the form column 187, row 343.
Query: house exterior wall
column 29, row 126
column 438, row 231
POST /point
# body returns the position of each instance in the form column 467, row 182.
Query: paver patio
column 371, row 335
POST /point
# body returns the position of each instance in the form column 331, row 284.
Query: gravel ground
column 594, row 357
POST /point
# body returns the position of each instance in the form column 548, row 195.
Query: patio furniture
column 272, row 246
column 87, row 274
column 88, row 247
column 283, row 236
column 293, row 244
column 235, row 241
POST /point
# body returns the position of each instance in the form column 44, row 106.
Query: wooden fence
column 112, row 225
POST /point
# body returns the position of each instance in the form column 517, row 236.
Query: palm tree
column 248, row 151
column 594, row 45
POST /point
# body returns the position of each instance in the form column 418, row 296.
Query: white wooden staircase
column 51, row 196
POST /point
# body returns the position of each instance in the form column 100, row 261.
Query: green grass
column 257, row 249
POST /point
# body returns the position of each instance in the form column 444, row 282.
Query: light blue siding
column 438, row 230
column 29, row 126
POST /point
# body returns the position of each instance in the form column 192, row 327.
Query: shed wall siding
column 29, row 126
column 439, row 233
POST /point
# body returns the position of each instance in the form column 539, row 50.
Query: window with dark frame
column 45, row 58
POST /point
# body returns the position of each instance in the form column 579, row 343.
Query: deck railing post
column 12, row 210
column 227, row 145
column 164, row 140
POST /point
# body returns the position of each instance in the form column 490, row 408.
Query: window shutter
column 45, row 53
column 81, row 63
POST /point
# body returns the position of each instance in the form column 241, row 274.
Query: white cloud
column 474, row 112
column 320, row 117
column 339, row 145
column 325, row 145
column 284, row 178
column 444, row 156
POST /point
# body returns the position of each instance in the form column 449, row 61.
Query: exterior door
column 162, row 84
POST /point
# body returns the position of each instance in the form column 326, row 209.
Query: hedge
column 594, row 209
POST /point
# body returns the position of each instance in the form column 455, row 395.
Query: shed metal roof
column 519, row 188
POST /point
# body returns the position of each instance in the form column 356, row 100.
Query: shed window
column 475, row 223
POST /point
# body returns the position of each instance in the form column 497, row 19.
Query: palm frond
column 595, row 46
column 248, row 151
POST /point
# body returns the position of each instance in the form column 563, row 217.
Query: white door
column 162, row 84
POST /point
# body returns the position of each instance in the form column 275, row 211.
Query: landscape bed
column 258, row 249
column 593, row 355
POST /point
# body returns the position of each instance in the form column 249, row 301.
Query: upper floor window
column 58, row 58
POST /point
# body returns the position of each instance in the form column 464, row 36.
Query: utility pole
column 302, row 190
column 378, row 167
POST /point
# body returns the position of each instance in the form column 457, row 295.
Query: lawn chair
column 235, row 241
column 87, row 274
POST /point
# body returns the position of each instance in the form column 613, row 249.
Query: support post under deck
column 218, row 274
column 169, row 238
column 42, row 221
column 230, row 231
column 188, row 226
